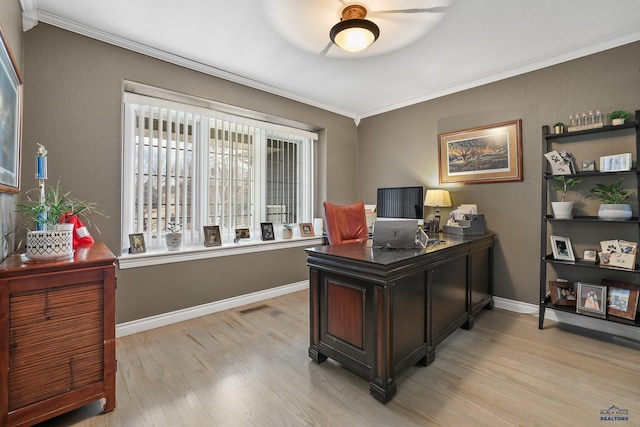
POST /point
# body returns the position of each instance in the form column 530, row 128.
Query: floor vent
column 252, row 309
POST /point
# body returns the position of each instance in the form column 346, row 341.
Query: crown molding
column 162, row 55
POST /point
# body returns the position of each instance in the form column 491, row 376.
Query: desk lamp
column 437, row 198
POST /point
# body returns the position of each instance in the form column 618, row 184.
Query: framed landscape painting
column 489, row 153
column 10, row 120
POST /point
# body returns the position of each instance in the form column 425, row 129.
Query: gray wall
column 11, row 23
column 400, row 148
column 73, row 107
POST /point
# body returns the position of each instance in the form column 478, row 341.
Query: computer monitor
column 400, row 202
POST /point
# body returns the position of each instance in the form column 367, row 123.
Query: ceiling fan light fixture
column 354, row 33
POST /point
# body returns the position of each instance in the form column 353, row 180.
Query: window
column 198, row 166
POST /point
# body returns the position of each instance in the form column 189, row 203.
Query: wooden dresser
column 57, row 335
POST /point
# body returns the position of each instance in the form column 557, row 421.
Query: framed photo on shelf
column 561, row 247
column 136, row 243
column 588, row 165
column 266, row 228
column 489, row 153
column 622, row 299
column 212, row 235
column 562, row 293
column 590, row 255
column 11, row 119
column 592, row 300
column 306, row 229
column 615, row 163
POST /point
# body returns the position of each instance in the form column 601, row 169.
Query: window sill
column 193, row 252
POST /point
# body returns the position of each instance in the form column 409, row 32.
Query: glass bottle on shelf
column 572, row 121
column 598, row 116
column 585, row 119
column 592, row 118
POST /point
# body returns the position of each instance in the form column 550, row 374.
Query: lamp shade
column 354, row 33
column 437, row 198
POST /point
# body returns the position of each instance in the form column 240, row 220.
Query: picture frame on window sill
column 562, row 249
column 622, row 299
column 242, row 233
column 592, row 300
column 212, row 235
column 266, row 229
column 136, row 243
column 306, row 229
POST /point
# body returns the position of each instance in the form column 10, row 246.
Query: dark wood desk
column 378, row 311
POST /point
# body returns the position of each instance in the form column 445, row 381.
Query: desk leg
column 316, row 356
column 383, row 394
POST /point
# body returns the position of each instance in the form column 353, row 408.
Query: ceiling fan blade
column 324, row 51
column 418, row 10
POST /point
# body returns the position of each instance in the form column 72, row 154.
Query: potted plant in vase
column 173, row 236
column 47, row 217
column 562, row 209
column 618, row 117
column 287, row 231
column 611, row 196
column 558, row 128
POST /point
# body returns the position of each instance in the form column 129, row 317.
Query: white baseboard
column 141, row 325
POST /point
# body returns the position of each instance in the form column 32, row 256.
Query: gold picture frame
column 306, row 229
column 136, row 243
column 491, row 153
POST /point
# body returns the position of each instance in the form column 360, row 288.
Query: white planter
column 617, row 122
column 614, row 212
column 174, row 241
column 562, row 210
column 50, row 245
column 287, row 233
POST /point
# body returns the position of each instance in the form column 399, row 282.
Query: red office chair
column 345, row 224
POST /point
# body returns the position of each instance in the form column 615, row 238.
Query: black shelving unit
column 627, row 229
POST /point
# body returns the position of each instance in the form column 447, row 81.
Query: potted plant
column 173, row 236
column 562, row 209
column 49, row 233
column 611, row 196
column 287, row 231
column 558, row 128
column 618, row 117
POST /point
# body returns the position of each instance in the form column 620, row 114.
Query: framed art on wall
column 10, row 119
column 489, row 153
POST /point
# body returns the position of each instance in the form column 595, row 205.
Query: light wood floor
column 252, row 369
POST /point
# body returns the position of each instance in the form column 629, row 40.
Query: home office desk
column 380, row 311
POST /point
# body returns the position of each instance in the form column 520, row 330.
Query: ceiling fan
column 354, row 33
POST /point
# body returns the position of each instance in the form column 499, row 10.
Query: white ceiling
column 283, row 46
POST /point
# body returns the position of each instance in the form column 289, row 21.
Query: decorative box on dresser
column 57, row 335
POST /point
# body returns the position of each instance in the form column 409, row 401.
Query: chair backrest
column 346, row 223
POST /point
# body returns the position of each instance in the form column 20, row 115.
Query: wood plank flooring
column 252, row 369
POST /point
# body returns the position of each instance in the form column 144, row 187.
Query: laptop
column 395, row 233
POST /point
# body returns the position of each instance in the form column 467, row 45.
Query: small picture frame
column 266, row 229
column 212, row 235
column 622, row 299
column 590, row 255
column 423, row 238
column 592, row 300
column 136, row 243
column 615, row 163
column 562, row 293
column 588, row 165
column 562, row 249
column 306, row 229
column 242, row 233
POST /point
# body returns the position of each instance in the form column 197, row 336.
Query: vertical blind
column 193, row 166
